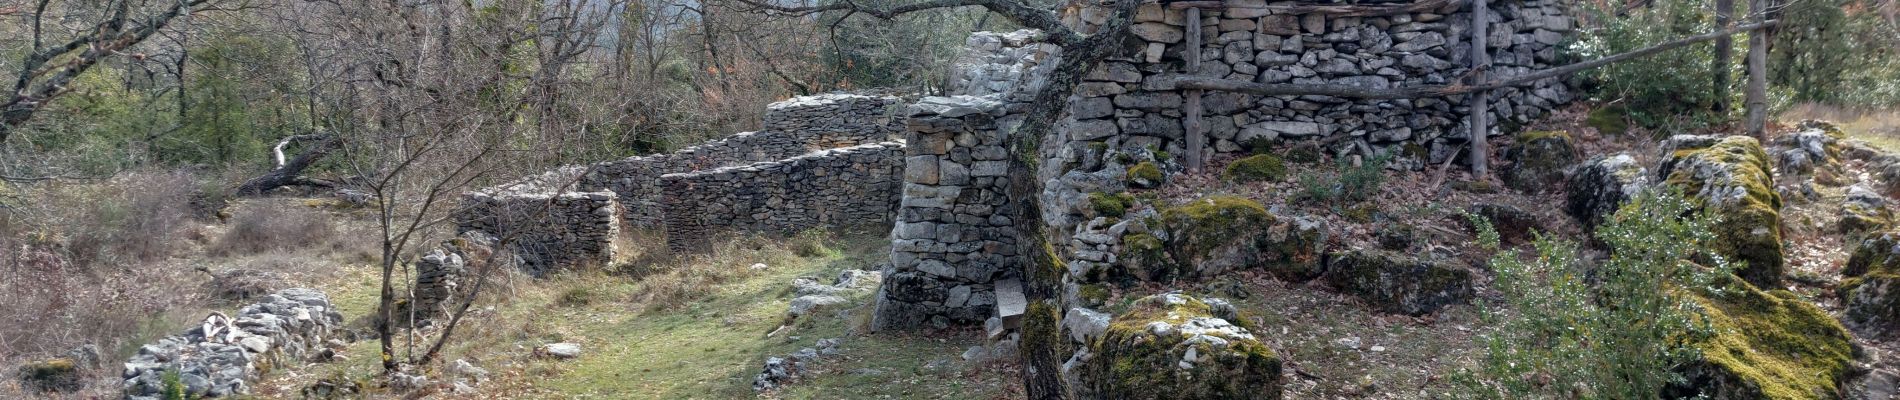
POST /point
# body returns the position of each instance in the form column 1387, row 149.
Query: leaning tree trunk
column 1043, row 347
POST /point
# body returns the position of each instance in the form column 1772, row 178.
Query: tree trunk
column 1724, row 17
column 1757, row 91
column 291, row 172
column 1480, row 107
column 1191, row 106
column 1043, row 347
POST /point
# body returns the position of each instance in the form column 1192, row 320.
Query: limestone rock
column 1768, row 345
column 562, row 350
column 1864, row 211
column 1396, row 283
column 1730, row 177
column 1601, row 185
column 1538, row 159
column 1170, row 346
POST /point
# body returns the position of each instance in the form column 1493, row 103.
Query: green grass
column 707, row 346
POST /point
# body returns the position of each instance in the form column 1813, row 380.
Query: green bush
column 1616, row 330
column 1671, row 87
column 1354, row 184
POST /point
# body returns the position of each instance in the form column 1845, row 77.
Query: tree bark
column 1724, row 18
column 290, row 172
column 1757, row 91
column 1480, row 107
column 1191, row 106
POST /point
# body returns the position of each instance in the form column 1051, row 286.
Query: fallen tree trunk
column 290, row 173
column 1417, row 91
column 1336, row 10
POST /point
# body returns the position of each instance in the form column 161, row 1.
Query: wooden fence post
column 1480, row 107
column 1191, row 101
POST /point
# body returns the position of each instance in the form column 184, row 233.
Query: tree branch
column 1337, row 10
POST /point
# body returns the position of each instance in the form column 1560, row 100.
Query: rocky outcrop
column 220, row 357
column 1729, row 177
column 1172, row 346
column 1216, row 234
column 1396, row 283
column 1766, row 345
column 1864, row 211
column 1600, row 186
column 1870, row 290
column 1538, row 160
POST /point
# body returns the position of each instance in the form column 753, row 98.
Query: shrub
column 267, row 228
column 1256, row 168
column 1618, row 330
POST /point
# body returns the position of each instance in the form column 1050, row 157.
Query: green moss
column 1204, row 224
column 1095, row 294
column 1874, row 254
column 1133, row 361
column 1396, row 283
column 1609, row 120
column 1775, row 344
column 1144, row 175
column 1256, row 168
column 1732, row 179
column 1110, row 205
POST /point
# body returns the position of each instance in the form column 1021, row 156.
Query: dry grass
column 1879, row 127
column 266, row 229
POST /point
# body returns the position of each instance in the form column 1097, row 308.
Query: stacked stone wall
column 792, row 128
column 848, row 186
column 221, row 356
column 546, row 231
column 954, row 236
column 1127, row 102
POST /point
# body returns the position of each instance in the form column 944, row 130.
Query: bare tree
column 52, row 63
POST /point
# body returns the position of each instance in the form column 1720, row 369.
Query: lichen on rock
column 1172, row 346
column 1538, row 160
column 1869, row 292
column 1730, row 178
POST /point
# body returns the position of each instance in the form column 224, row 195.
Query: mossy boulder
column 1767, row 345
column 1220, row 233
column 1211, row 235
column 1601, row 185
column 1538, row 159
column 1870, row 293
column 1864, row 211
column 1110, row 204
column 1730, row 177
column 1256, row 168
column 1172, row 346
column 54, row 375
column 1396, row 283
column 1145, row 175
column 1514, row 225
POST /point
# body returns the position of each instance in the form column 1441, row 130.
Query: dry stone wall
column 546, row 231
column 570, row 215
column 1127, row 102
column 792, row 127
column 954, row 236
column 220, row 357
column 847, row 186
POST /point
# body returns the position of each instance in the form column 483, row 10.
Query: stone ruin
column 950, row 245
column 824, row 160
column 218, row 358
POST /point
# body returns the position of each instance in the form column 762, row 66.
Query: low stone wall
column 839, row 187
column 546, row 231
column 218, row 358
column 954, row 236
column 792, row 128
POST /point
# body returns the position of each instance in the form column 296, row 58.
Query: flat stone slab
column 1010, row 302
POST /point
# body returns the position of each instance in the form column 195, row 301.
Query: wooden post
column 1191, row 103
column 1724, row 17
column 1757, row 92
column 1480, row 107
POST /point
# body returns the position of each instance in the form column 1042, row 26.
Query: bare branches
column 1417, row 91
column 40, row 80
column 1337, row 10
column 1021, row 12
